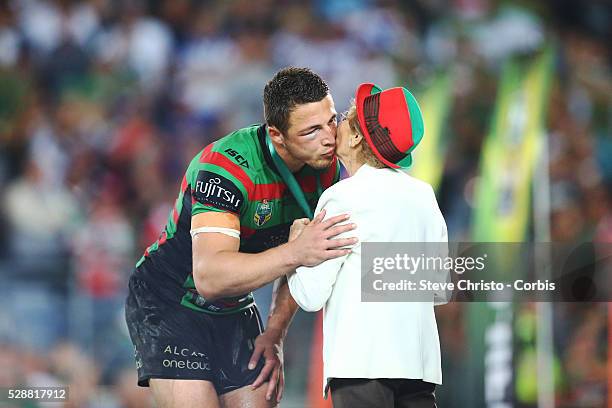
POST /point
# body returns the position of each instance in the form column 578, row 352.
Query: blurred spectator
column 585, row 361
column 137, row 41
column 42, row 215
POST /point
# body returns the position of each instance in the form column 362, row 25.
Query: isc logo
column 238, row 157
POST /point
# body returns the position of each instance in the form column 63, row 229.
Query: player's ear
column 276, row 135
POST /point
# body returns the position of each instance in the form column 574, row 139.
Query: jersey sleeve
column 217, row 184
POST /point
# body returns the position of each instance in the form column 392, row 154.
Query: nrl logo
column 263, row 213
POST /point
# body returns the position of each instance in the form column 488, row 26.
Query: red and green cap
column 391, row 122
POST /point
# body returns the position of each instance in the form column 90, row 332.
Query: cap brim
column 406, row 162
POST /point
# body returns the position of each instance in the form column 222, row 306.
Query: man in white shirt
column 376, row 354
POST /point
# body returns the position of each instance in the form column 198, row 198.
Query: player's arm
column 220, row 270
column 270, row 342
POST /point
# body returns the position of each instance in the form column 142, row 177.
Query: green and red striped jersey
column 235, row 174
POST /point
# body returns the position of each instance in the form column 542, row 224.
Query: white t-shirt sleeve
column 311, row 287
column 440, row 236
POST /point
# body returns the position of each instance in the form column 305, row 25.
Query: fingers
column 255, row 356
column 334, row 220
column 301, row 221
column 265, row 373
column 341, row 243
column 336, row 253
column 299, row 225
column 272, row 384
column 281, row 386
column 253, row 363
column 339, row 229
column 319, row 217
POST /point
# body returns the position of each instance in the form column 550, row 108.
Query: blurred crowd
column 104, row 102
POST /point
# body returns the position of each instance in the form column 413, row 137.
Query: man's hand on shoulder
column 313, row 242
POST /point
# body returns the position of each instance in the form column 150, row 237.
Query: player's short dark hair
column 291, row 87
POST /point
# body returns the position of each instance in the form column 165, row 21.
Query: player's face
column 311, row 137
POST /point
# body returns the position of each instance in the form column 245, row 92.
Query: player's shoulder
column 234, row 159
column 240, row 145
column 236, row 152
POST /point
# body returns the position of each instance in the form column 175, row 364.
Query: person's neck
column 294, row 165
column 352, row 164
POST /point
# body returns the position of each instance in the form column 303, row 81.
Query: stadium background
column 103, row 103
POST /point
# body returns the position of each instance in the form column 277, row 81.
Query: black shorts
column 382, row 393
column 174, row 342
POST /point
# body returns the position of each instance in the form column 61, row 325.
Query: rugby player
column 197, row 333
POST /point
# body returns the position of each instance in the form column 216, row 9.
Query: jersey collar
column 262, row 132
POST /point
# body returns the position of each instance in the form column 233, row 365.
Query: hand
column 297, row 227
column 315, row 244
column 270, row 344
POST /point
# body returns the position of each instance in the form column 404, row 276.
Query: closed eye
column 311, row 134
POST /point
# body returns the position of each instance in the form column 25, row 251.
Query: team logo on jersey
column 263, row 212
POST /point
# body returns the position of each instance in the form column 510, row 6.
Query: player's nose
column 329, row 137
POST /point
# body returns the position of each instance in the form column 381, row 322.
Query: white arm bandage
column 227, row 231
